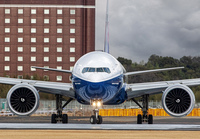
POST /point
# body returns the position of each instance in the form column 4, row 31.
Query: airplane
column 100, row 79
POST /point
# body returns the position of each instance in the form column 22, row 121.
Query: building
column 45, row 33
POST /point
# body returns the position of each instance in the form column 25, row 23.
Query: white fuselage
column 97, row 75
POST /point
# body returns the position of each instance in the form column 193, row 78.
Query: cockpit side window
column 85, row 70
column 107, row 70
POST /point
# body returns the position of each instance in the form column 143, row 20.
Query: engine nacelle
column 23, row 99
column 178, row 100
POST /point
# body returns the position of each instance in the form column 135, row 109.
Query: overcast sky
column 140, row 28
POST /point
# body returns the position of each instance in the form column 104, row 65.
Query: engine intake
column 178, row 100
column 23, row 99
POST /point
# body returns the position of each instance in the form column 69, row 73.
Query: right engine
column 23, row 99
column 178, row 100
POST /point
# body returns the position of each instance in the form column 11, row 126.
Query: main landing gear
column 96, row 118
column 59, row 117
column 145, row 117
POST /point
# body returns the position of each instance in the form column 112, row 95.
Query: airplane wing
column 65, row 89
column 139, row 89
column 148, row 71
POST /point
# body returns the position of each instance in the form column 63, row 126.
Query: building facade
column 44, row 33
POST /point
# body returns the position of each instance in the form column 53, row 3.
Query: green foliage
column 191, row 70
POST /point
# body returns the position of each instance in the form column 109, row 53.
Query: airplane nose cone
column 95, row 77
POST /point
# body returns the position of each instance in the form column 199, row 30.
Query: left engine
column 23, row 99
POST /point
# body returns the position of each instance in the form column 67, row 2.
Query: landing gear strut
column 96, row 118
column 59, row 117
column 145, row 117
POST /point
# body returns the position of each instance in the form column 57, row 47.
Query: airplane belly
column 106, row 90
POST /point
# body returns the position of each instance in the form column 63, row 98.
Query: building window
column 46, row 40
column 6, row 58
column 20, row 77
column 20, row 68
column 59, row 21
column 20, row 20
column 59, row 40
column 46, row 49
column 20, row 58
column 72, row 21
column 20, row 49
column 7, row 49
column 20, row 30
column 59, row 11
column 7, row 30
column 46, row 59
column 58, row 78
column 33, row 58
column 46, row 30
column 72, row 59
column 46, row 78
column 33, row 69
column 33, row 30
column 33, row 49
column 72, row 40
column 72, row 30
column 46, row 11
column 7, row 11
column 20, row 11
column 46, row 21
column 33, row 40
column 59, row 49
column 20, row 39
column 33, row 11
column 59, row 30
column 6, row 68
column 7, row 39
column 59, row 59
column 59, row 67
column 46, row 67
column 72, row 49
column 7, row 20
column 72, row 12
column 33, row 21
column 71, row 68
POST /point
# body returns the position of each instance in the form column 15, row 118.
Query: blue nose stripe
column 105, row 91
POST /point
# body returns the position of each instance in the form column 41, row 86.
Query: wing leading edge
column 139, row 89
column 65, row 89
column 148, row 71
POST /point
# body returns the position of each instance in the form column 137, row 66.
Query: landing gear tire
column 93, row 119
column 64, row 118
column 53, row 118
column 150, row 119
column 139, row 119
column 100, row 119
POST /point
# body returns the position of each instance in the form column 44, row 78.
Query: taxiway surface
column 109, row 123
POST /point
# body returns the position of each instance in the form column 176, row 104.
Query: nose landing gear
column 96, row 118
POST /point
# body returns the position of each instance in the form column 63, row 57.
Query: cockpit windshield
column 100, row 69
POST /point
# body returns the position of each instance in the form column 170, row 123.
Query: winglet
column 106, row 41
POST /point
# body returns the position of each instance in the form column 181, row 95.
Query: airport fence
column 129, row 108
column 135, row 112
